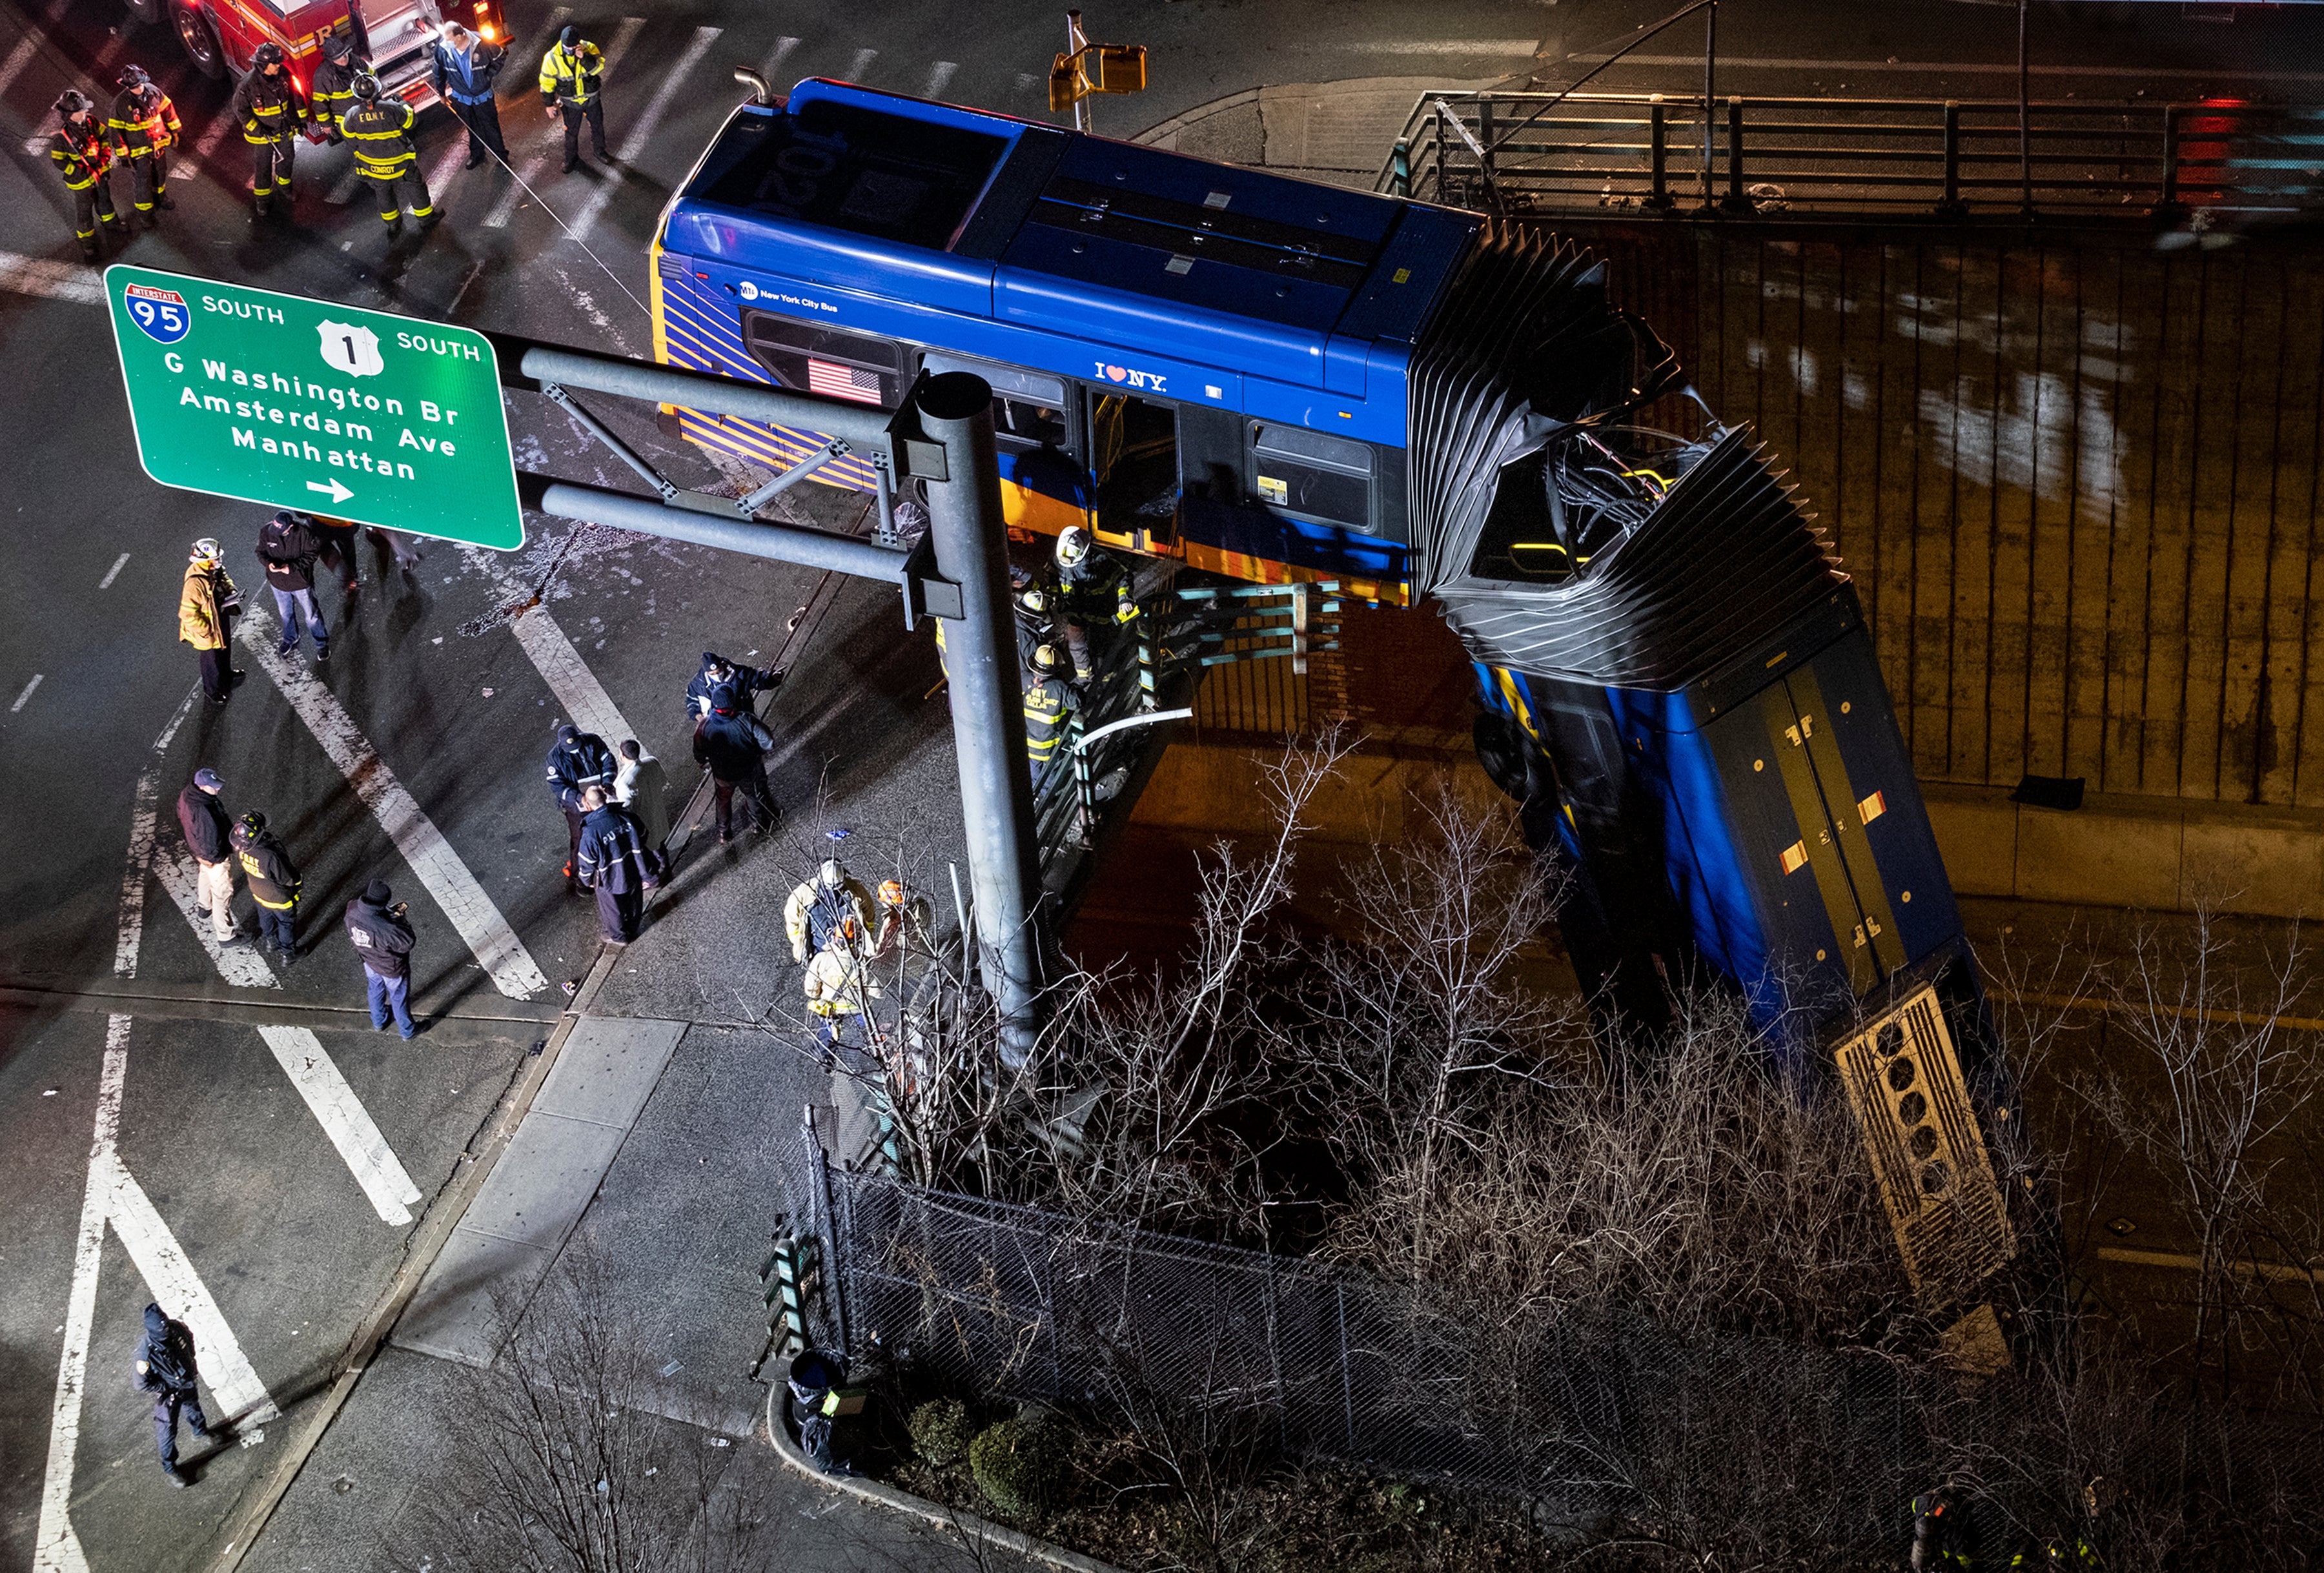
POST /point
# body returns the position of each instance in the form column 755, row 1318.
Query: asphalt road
column 242, row 1168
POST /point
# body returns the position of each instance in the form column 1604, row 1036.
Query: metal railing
column 1950, row 158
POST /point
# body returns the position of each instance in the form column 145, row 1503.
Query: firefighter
column 386, row 156
column 266, row 106
column 83, row 157
column 144, row 127
column 1047, row 704
column 571, row 76
column 274, row 880
column 331, row 94
column 1093, row 586
column 831, row 909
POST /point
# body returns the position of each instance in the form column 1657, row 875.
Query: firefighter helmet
column 72, row 102
column 132, row 76
column 365, row 87
column 892, row 893
column 1048, row 660
column 338, row 48
column 207, row 550
column 269, row 53
column 831, row 873
column 1073, row 544
column 252, row 823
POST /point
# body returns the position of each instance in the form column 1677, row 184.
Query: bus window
column 1134, row 458
column 1028, row 408
column 1312, row 474
column 816, row 359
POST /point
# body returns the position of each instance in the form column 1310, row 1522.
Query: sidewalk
column 1335, row 131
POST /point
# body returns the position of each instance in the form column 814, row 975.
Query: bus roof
column 1110, row 244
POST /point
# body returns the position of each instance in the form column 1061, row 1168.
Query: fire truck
column 219, row 36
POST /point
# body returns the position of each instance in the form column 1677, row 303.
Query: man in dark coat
column 210, row 837
column 165, row 1368
column 382, row 936
column 747, row 682
column 732, row 744
column 579, row 761
column 613, row 861
column 287, row 548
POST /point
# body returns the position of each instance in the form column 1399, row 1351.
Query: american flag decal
column 829, row 377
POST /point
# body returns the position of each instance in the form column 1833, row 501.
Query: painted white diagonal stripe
column 578, row 693
column 633, row 146
column 240, row 966
column 183, row 1297
column 488, row 935
column 345, row 1120
column 623, row 36
column 24, row 275
column 55, row 1548
column 144, row 810
column 18, row 59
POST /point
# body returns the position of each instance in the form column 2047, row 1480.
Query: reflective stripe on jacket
column 266, row 107
column 1045, row 720
column 576, row 77
column 143, row 121
column 81, row 156
column 380, row 131
column 331, row 94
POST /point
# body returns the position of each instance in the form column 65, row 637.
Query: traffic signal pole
column 942, row 436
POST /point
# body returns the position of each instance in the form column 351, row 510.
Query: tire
column 197, row 36
column 147, row 10
column 1501, row 748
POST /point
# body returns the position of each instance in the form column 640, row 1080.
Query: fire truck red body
column 219, row 36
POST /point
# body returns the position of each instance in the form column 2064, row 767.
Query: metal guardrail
column 1949, row 158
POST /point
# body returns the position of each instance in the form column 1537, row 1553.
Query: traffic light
column 1121, row 68
column 1118, row 67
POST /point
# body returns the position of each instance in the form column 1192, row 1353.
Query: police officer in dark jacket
column 732, row 744
column 614, row 862
column 579, row 761
column 165, row 1368
column 210, row 837
column 747, row 682
column 382, row 936
column 274, row 882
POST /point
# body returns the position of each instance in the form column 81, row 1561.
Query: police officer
column 382, row 936
column 732, row 744
column 210, row 837
column 144, row 126
column 571, row 74
column 616, row 862
column 274, row 882
column 1046, row 702
column 386, row 155
column 579, row 761
column 331, row 93
column 465, row 67
column 83, row 157
column 164, row 1368
column 266, row 106
column 831, row 909
column 747, row 682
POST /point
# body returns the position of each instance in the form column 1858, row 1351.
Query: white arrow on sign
column 333, row 490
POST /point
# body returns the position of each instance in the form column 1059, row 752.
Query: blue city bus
column 1277, row 380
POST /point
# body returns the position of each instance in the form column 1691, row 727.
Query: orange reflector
column 1872, row 807
column 1795, row 857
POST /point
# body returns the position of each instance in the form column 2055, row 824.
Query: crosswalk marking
column 242, row 966
column 938, row 76
column 18, row 59
column 633, row 146
column 144, row 810
column 183, row 1297
column 578, row 693
column 498, row 217
column 345, row 1120
column 495, row 945
column 24, row 275
column 774, row 61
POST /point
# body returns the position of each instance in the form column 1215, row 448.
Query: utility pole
column 1077, row 41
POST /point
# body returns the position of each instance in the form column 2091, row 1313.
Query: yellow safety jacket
column 575, row 77
column 380, row 131
column 267, row 107
column 1045, row 720
column 143, row 121
column 82, row 156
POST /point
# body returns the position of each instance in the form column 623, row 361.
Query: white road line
column 1454, row 46
column 143, row 810
column 1955, row 68
column 495, row 945
column 623, row 36
column 27, row 694
column 345, row 1120
column 24, row 275
column 633, row 146
column 182, row 1295
column 578, row 693
column 18, row 57
column 114, row 572
column 205, row 148
column 55, row 1548
column 937, row 77
column 243, row 966
column 860, row 64
column 775, row 58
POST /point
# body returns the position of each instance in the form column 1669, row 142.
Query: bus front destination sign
column 309, row 405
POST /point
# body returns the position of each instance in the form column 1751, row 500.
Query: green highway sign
column 309, row 405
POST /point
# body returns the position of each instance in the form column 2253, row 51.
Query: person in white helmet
column 1093, row 588
column 205, row 612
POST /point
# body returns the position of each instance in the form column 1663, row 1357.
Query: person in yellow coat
column 572, row 78
column 205, row 612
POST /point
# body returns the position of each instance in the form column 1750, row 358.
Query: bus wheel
column 199, row 36
column 1501, row 747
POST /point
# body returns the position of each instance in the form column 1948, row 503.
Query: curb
column 978, row 1531
column 1200, row 112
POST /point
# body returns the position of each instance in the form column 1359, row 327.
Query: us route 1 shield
column 309, row 405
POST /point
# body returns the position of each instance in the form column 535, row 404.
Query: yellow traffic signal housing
column 1121, row 68
column 1067, row 87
